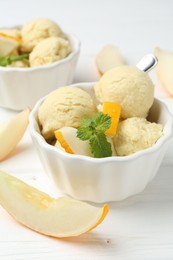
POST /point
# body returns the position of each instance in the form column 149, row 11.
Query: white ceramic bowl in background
column 105, row 179
column 22, row 87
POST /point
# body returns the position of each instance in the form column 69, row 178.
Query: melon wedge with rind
column 108, row 57
column 11, row 132
column 164, row 69
column 62, row 217
column 68, row 140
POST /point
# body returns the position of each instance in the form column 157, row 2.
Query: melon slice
column 12, row 131
column 67, row 140
column 62, row 217
column 108, row 58
column 8, row 44
column 164, row 69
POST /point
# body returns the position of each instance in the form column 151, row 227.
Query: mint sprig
column 93, row 129
column 7, row 60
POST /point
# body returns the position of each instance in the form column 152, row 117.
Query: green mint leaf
column 18, row 58
column 84, row 133
column 100, row 147
column 102, row 122
column 7, row 60
column 85, row 122
column 4, row 61
column 93, row 129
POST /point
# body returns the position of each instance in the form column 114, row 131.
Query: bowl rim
column 74, row 53
column 168, row 133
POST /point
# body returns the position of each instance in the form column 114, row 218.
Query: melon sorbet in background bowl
column 123, row 174
column 52, row 56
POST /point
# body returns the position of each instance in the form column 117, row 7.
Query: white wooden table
column 141, row 227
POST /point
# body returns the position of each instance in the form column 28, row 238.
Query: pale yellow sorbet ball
column 129, row 87
column 135, row 134
column 37, row 30
column 48, row 51
column 65, row 106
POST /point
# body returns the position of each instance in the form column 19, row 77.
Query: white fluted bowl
column 23, row 87
column 105, row 179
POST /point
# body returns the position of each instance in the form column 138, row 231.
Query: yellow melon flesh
column 114, row 111
column 12, row 131
column 62, row 217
